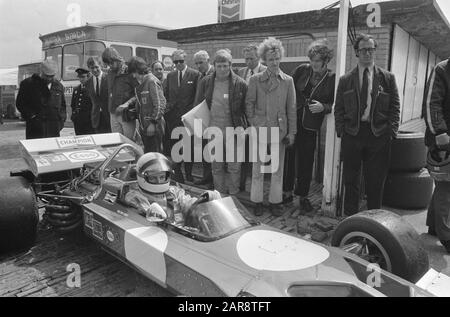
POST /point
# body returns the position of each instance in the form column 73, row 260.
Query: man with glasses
column 367, row 115
column 180, row 89
column 41, row 103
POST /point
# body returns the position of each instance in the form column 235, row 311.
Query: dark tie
column 97, row 88
column 364, row 91
column 181, row 78
column 252, row 73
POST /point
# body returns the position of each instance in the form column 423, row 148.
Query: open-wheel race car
column 218, row 248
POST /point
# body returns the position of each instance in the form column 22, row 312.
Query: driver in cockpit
column 155, row 197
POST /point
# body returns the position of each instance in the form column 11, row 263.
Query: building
column 8, row 84
column 412, row 35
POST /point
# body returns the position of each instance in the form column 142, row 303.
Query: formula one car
column 219, row 249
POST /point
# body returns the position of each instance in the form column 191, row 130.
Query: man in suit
column 98, row 92
column 201, row 60
column 81, row 105
column 41, row 103
column 252, row 60
column 180, row 90
column 367, row 115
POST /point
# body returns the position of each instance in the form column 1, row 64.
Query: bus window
column 125, row 51
column 55, row 54
column 93, row 49
column 150, row 55
column 73, row 59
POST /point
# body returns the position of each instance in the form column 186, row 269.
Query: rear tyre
column 19, row 215
column 385, row 239
column 409, row 153
column 408, row 191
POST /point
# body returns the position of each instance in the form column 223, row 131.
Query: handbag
column 311, row 121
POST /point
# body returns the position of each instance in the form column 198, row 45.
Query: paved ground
column 42, row 270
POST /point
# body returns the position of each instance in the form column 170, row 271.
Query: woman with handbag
column 150, row 106
column 314, row 85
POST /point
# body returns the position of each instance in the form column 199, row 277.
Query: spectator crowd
column 146, row 105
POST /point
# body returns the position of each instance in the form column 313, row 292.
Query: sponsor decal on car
column 89, row 220
column 64, row 143
column 42, row 162
column 84, row 156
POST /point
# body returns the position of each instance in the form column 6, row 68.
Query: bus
column 71, row 48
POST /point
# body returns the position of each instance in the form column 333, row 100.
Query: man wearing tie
column 180, row 89
column 98, row 92
column 367, row 115
column 252, row 60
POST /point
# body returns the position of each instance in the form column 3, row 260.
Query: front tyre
column 19, row 215
column 384, row 238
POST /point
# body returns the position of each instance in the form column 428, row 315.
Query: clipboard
column 200, row 112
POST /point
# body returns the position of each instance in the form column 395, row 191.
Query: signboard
column 70, row 36
column 231, row 10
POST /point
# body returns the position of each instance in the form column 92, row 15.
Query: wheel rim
column 371, row 249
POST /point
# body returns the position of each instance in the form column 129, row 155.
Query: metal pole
column 332, row 168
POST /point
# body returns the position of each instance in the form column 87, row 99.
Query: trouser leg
column 219, row 178
column 306, row 151
column 376, row 167
column 276, row 182
column 441, row 204
column 257, row 189
column 352, row 153
column 289, row 169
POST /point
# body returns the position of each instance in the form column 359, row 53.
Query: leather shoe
column 259, row 210
column 432, row 232
column 305, row 206
column 277, row 210
column 446, row 245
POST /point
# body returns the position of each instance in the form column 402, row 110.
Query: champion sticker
column 84, row 156
column 64, row 143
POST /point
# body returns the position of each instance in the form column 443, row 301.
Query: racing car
column 219, row 249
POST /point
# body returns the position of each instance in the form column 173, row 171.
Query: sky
column 21, row 21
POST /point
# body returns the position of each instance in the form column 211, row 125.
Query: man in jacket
column 252, row 60
column 180, row 90
column 97, row 88
column 81, row 105
column 367, row 116
column 41, row 102
column 201, row 60
column 225, row 94
column 121, row 100
column 437, row 114
column 150, row 105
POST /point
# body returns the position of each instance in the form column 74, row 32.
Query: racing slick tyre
column 19, row 215
column 409, row 153
column 386, row 239
column 408, row 190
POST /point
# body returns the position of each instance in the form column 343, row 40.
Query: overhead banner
column 231, row 10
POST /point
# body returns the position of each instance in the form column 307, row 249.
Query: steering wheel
column 190, row 220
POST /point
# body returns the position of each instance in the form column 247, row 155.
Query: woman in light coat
column 271, row 106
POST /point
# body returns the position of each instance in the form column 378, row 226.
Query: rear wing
column 51, row 155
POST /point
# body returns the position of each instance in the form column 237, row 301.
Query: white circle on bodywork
column 274, row 251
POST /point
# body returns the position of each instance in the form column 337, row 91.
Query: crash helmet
column 439, row 166
column 148, row 167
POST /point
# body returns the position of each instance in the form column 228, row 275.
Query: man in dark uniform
column 41, row 102
column 81, row 105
